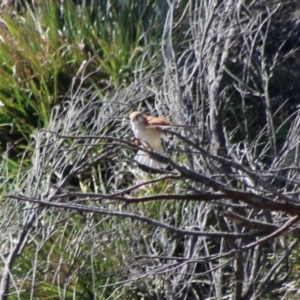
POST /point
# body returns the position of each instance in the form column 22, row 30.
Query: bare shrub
column 223, row 224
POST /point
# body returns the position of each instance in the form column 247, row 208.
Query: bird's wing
column 157, row 122
column 153, row 122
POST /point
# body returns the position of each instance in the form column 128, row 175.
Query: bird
column 148, row 132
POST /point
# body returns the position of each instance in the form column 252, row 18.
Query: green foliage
column 43, row 49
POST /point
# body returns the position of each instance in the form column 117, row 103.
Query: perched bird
column 148, row 132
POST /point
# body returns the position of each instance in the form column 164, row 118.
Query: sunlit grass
column 43, row 49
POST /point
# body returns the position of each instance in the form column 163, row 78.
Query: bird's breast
column 151, row 136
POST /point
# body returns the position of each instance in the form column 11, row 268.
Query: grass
column 43, row 50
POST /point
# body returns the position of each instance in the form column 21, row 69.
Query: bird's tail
column 145, row 159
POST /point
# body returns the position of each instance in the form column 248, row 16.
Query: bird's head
column 137, row 117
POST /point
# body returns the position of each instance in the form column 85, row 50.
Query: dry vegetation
column 83, row 221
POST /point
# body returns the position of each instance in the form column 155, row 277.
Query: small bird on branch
column 148, row 131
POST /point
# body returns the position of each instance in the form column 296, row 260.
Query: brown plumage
column 148, row 130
